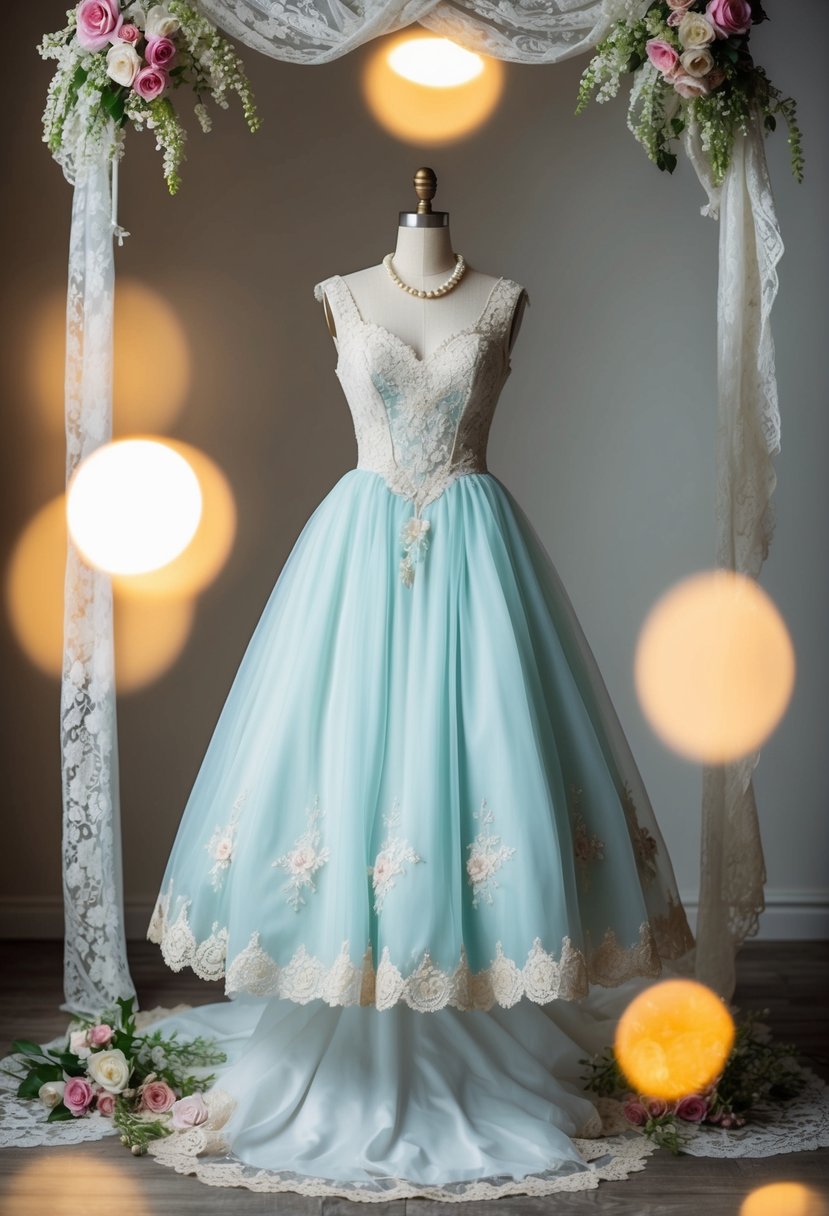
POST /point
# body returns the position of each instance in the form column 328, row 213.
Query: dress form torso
column 424, row 259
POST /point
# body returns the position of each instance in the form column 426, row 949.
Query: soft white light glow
column 435, row 62
column 133, row 506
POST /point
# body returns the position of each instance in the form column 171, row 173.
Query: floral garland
column 140, row 1081
column 757, row 1070
column 692, row 71
column 118, row 61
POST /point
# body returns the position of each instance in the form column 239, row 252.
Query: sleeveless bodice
column 421, row 423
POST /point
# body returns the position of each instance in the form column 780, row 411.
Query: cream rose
column 696, row 30
column 51, row 1093
column 697, row 62
column 159, row 23
column 110, row 1069
column 123, row 62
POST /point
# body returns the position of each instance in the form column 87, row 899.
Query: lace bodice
column 421, row 423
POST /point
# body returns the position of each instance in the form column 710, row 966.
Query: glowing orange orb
column 674, row 1039
column 784, row 1199
column 427, row 90
column 714, row 666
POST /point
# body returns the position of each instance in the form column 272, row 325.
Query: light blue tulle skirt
column 420, row 854
column 418, row 794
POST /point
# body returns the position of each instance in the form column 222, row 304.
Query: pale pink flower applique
column 221, row 843
column 390, row 863
column 486, row 856
column 303, row 861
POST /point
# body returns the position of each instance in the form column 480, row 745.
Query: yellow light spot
column 200, row 563
column 438, row 63
column 714, row 666
column 133, row 505
column 151, row 366
column 674, row 1039
column 148, row 636
column 69, row 1183
column 436, row 100
column 784, row 1199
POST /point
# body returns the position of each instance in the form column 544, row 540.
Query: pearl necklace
column 452, row 282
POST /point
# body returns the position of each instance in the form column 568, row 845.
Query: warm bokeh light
column 148, row 636
column 714, row 666
column 674, row 1039
column 73, row 1183
column 784, row 1199
column 152, row 362
column 440, row 105
column 133, row 505
column 200, row 563
column 436, row 62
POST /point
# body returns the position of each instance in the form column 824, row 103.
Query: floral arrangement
column 692, row 69
column 140, row 1081
column 757, row 1070
column 119, row 61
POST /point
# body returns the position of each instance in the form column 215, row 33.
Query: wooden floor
column 102, row 1179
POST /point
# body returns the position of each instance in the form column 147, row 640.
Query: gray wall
column 605, row 432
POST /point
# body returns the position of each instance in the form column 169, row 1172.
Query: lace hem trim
column 542, row 978
column 606, row 1159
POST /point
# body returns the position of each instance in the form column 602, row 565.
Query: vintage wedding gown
column 418, row 850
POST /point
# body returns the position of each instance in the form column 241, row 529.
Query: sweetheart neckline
column 461, row 333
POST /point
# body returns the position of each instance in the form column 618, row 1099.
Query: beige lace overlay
column 541, row 977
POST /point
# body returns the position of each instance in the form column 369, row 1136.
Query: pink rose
column 78, row 1095
column 189, row 1112
column 160, row 52
column 150, row 83
column 662, row 55
column 98, row 23
column 692, row 1109
column 156, row 1096
column 690, row 86
column 130, row 34
column 729, row 16
column 105, row 1103
column 635, row 1112
column 656, row 1107
column 101, row 1035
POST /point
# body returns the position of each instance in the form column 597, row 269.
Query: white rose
column 123, row 62
column 160, row 24
column 697, row 62
column 51, row 1093
column 696, row 30
column 111, row 1069
column 79, row 1044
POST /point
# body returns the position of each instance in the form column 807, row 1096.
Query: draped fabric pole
column 732, row 869
column 95, row 961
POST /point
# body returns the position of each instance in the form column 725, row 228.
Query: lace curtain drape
column 315, row 32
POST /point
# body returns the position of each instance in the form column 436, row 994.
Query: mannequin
column 423, row 258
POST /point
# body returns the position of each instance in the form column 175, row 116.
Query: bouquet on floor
column 119, row 61
column 140, row 1081
column 757, row 1071
column 692, row 71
